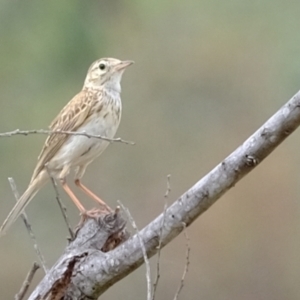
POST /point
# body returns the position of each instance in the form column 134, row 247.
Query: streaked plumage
column 96, row 110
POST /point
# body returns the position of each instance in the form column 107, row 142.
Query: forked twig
column 187, row 262
column 61, row 205
column 155, row 284
column 42, row 131
column 27, row 281
column 148, row 271
column 28, row 226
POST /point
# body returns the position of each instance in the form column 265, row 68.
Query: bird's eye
column 102, row 66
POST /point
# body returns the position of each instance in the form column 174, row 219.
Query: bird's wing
column 71, row 117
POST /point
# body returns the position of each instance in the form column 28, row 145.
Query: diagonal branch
column 28, row 227
column 27, row 282
column 62, row 207
column 110, row 267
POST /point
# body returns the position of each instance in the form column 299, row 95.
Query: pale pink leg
column 73, row 197
column 91, row 194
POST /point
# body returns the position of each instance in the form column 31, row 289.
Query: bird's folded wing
column 72, row 116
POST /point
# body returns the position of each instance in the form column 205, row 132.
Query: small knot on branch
column 101, row 229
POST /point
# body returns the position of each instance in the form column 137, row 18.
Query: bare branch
column 28, row 226
column 187, row 262
column 148, row 270
column 62, row 207
column 168, row 190
column 27, row 281
column 42, row 131
column 96, row 271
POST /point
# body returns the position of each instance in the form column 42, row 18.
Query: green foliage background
column 207, row 75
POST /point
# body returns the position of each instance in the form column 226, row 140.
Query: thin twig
column 28, row 226
column 61, row 205
column 187, row 262
column 168, row 190
column 148, row 271
column 42, row 131
column 27, row 281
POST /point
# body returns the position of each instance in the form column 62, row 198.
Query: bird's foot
column 93, row 213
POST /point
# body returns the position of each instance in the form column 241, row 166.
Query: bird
column 95, row 110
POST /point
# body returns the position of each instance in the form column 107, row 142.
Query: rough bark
column 86, row 272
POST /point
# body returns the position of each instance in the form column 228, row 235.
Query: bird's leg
column 78, row 175
column 72, row 196
column 62, row 177
column 84, row 213
column 91, row 194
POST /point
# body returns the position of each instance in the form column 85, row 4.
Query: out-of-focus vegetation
column 207, row 74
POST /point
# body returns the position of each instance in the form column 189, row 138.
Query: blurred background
column 207, row 74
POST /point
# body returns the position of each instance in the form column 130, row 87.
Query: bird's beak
column 123, row 64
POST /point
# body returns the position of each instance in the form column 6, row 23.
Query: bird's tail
column 24, row 200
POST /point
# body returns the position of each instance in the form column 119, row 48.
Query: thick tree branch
column 92, row 272
column 67, row 278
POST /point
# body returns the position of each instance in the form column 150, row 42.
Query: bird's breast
column 78, row 149
column 106, row 118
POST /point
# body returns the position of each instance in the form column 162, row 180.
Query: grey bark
column 85, row 272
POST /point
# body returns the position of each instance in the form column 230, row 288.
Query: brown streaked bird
column 96, row 110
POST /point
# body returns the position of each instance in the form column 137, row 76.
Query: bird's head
column 106, row 73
